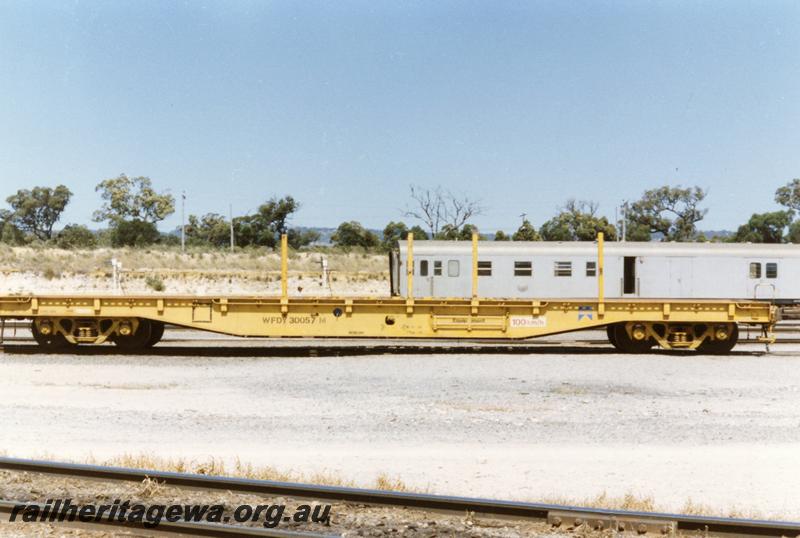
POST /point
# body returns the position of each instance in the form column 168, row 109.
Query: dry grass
column 150, row 488
column 699, row 509
column 638, row 503
column 171, row 259
column 25, row 270
column 216, row 467
column 629, row 501
column 389, row 483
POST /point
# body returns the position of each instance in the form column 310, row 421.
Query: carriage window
column 437, row 268
column 755, row 270
column 591, row 268
column 772, row 270
column 484, row 268
column 452, row 268
column 563, row 268
column 423, row 268
column 523, row 269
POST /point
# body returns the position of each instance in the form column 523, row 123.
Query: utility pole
column 624, row 219
column 230, row 213
column 183, row 221
column 523, row 216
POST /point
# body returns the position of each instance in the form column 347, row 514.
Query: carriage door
column 630, row 284
column 763, row 279
column 427, row 276
column 394, row 272
column 681, row 277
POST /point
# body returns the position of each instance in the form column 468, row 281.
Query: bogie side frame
column 633, row 324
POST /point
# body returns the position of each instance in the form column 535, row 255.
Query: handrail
column 601, row 292
column 474, row 265
column 410, row 266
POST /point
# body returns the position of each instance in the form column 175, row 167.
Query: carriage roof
column 612, row 248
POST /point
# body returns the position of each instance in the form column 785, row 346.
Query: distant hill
column 326, row 233
column 716, row 234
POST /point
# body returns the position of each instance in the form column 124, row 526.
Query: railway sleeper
column 640, row 337
column 129, row 334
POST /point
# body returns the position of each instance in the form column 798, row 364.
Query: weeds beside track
column 564, row 517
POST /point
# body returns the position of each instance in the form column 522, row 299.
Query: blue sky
column 344, row 104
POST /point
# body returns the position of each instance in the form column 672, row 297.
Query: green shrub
column 170, row 240
column 11, row 235
column 134, row 233
column 75, row 236
column 155, row 283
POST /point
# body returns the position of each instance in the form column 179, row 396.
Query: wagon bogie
column 639, row 337
column 58, row 332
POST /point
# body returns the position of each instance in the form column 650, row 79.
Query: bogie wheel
column 50, row 342
column 626, row 344
column 720, row 347
column 610, row 329
column 136, row 341
column 156, row 332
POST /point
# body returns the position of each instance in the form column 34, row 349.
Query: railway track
column 221, row 349
column 189, row 342
column 557, row 516
column 787, row 332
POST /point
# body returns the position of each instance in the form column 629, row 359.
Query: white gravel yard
column 720, row 431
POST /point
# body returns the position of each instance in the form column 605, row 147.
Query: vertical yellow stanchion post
column 601, row 292
column 474, row 265
column 410, row 274
column 284, row 274
column 474, row 273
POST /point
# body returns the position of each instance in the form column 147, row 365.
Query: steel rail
column 221, row 348
column 557, row 515
column 164, row 528
column 785, row 333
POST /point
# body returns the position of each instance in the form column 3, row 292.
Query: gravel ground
column 722, row 432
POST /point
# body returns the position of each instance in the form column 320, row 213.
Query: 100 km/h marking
column 526, row 322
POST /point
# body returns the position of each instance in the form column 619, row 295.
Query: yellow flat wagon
column 633, row 325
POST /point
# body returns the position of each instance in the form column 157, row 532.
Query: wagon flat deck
column 390, row 317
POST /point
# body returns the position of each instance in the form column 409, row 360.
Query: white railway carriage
column 561, row 270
